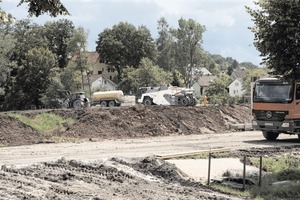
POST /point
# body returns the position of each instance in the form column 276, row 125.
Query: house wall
column 236, row 88
column 102, row 82
column 197, row 90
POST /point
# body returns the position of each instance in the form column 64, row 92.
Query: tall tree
column 164, row 44
column 123, row 45
column 277, row 35
column 58, row 34
column 77, row 50
column 188, row 47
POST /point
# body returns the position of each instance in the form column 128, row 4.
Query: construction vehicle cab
column 276, row 107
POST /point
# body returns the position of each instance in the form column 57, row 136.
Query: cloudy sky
column 226, row 21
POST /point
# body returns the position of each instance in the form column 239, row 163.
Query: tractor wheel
column 111, row 103
column 183, row 101
column 103, row 103
column 77, row 104
column 147, row 101
column 65, row 105
column 270, row 135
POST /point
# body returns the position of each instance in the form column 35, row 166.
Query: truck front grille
column 268, row 115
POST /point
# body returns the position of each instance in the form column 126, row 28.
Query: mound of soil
column 113, row 179
column 128, row 122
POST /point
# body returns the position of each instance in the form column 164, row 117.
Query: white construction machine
column 163, row 95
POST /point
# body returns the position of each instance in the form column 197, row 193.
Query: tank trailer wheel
column 111, row 104
column 103, row 103
column 271, row 135
column 77, row 104
column 147, row 101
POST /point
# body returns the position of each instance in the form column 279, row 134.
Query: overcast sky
column 226, row 21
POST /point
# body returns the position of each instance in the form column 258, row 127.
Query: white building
column 236, row 88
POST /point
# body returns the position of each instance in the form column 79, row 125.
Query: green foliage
column 123, row 45
column 276, row 164
column 58, row 34
column 251, row 73
column 277, row 35
column 147, row 75
column 39, row 7
column 43, row 122
column 165, row 44
column 217, row 92
column 188, row 40
column 283, row 168
column 7, row 43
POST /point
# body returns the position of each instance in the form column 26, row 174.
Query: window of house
column 99, row 72
column 110, row 77
column 236, row 84
column 105, row 82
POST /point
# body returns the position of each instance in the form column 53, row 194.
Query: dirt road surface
column 137, row 148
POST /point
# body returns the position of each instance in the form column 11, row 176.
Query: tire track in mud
column 113, row 179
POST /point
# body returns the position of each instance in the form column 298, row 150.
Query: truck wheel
column 183, row 101
column 103, row 103
column 299, row 136
column 147, row 101
column 270, row 135
column 77, row 104
column 111, row 104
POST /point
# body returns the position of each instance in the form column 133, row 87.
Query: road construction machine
column 167, row 95
column 276, row 107
column 108, row 98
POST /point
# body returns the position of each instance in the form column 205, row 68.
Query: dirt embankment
column 127, row 122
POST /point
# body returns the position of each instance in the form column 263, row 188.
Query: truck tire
column 103, row 103
column 111, row 103
column 183, row 101
column 270, row 135
column 77, row 104
column 147, row 101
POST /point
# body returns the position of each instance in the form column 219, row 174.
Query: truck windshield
column 271, row 92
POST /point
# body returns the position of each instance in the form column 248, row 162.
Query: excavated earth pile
column 148, row 178
column 127, row 122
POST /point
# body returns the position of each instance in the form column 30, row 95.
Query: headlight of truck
column 254, row 123
column 285, row 125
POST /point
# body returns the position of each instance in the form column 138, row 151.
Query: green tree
column 58, row 34
column 147, row 74
column 77, row 50
column 277, row 35
column 165, row 44
column 188, row 39
column 123, row 45
column 217, row 91
column 33, row 79
column 37, row 8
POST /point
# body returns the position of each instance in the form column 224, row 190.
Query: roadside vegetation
column 43, row 122
column 280, row 180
